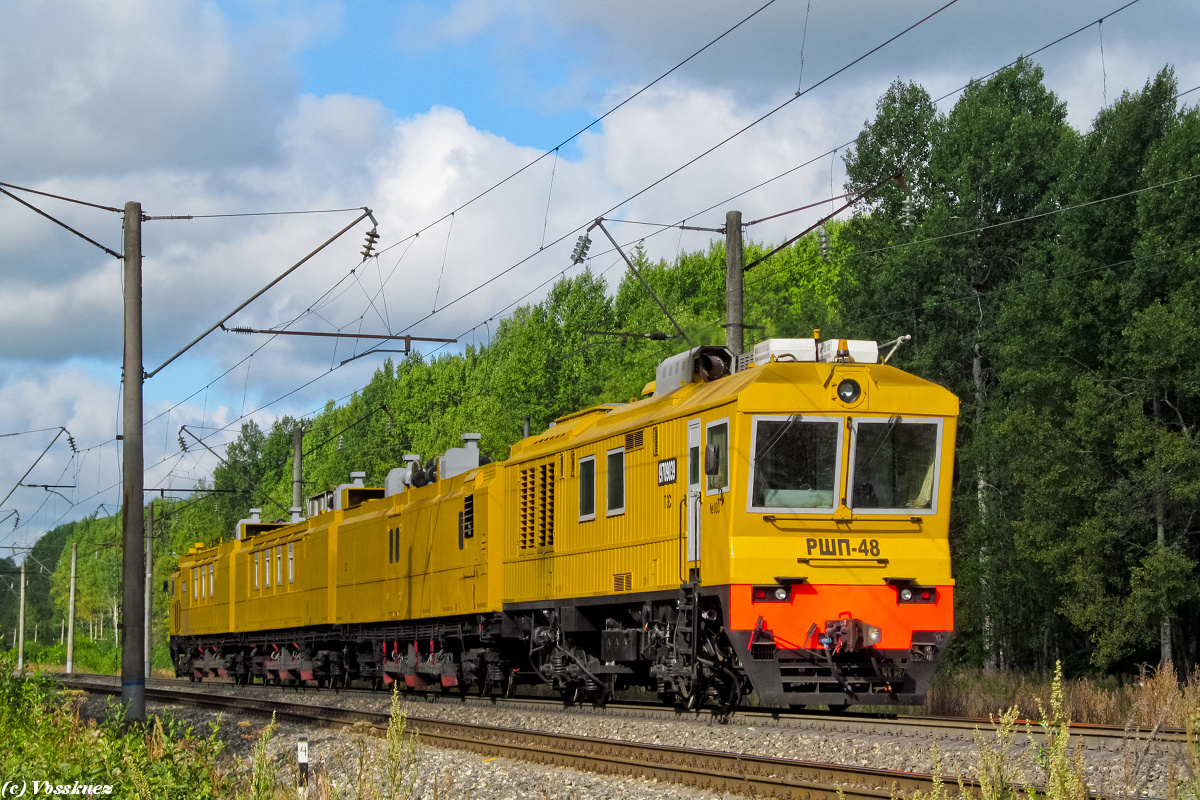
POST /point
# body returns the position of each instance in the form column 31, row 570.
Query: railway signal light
column 581, row 249
column 372, row 237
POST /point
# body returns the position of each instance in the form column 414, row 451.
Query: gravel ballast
column 460, row 774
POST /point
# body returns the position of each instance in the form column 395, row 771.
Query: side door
column 695, row 493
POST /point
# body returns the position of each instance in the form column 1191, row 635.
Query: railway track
column 1099, row 738
column 725, row 771
column 717, row 771
column 935, row 730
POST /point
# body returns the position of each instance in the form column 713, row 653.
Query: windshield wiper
column 886, row 435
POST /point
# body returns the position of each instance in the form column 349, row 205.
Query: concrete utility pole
column 734, row 332
column 133, row 681
column 149, row 583
column 71, row 613
column 298, row 466
column 21, row 626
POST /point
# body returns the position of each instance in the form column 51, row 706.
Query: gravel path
column 470, row 775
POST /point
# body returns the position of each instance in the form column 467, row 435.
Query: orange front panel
column 875, row 605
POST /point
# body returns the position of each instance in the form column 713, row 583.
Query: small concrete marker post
column 302, row 758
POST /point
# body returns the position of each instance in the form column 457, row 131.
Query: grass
column 1157, row 698
column 43, row 738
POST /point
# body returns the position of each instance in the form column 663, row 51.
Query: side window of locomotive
column 279, row 565
column 291, row 564
column 895, row 464
column 718, row 438
column 587, row 488
column 212, row 571
column 195, row 584
column 796, row 463
column 615, row 481
column 256, row 571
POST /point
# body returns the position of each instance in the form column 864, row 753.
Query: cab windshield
column 795, row 463
column 895, row 464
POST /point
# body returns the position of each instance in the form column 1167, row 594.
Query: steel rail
column 757, row 776
column 1101, row 738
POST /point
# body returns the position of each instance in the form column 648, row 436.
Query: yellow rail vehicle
column 775, row 523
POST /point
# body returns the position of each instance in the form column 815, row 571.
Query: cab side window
column 718, row 440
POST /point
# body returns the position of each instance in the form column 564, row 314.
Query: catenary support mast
column 133, row 679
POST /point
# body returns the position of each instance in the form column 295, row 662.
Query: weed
column 1187, row 786
column 999, row 774
column 1062, row 772
column 401, row 758
column 264, row 772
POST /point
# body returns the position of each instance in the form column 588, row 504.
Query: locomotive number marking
column 843, row 547
column 666, row 471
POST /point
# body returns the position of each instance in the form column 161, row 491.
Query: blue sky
column 218, row 106
column 501, row 86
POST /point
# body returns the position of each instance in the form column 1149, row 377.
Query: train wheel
column 605, row 692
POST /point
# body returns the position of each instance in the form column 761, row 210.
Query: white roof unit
column 785, row 350
column 458, row 460
column 698, row 365
column 858, row 351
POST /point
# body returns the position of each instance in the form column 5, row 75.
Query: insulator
column 823, row 242
column 182, row 443
column 341, row 441
column 71, row 443
column 372, row 237
column 581, row 249
column 907, row 216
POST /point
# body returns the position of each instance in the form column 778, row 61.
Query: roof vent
column 357, row 479
column 295, row 511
